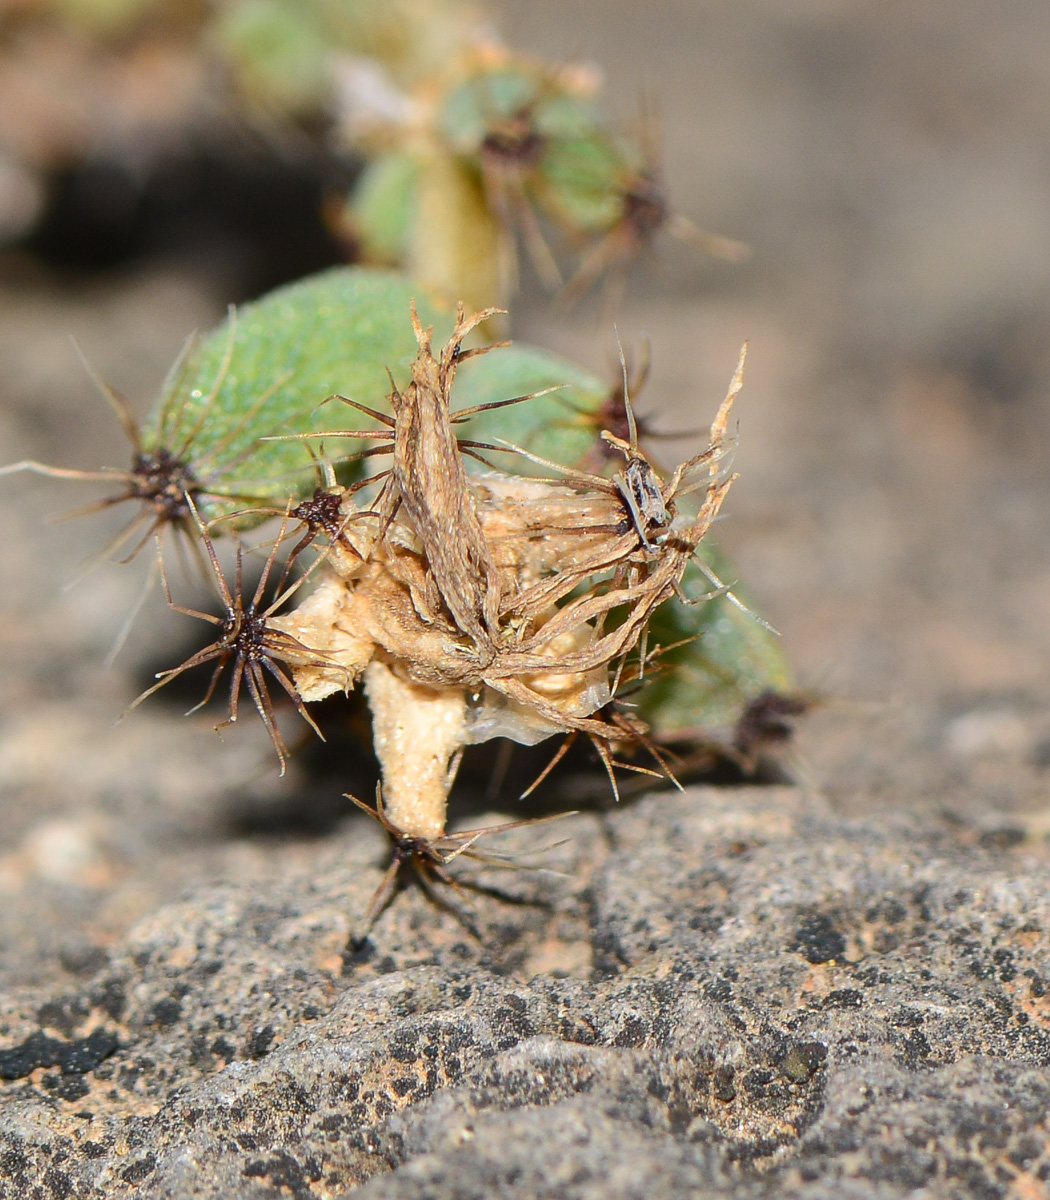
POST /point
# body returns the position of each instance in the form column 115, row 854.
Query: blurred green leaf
column 728, row 659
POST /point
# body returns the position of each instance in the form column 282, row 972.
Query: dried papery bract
column 432, row 485
column 649, row 555
column 497, row 605
column 648, row 503
column 250, row 641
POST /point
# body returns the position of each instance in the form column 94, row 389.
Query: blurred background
column 889, row 166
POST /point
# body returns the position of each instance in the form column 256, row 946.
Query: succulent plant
column 456, row 556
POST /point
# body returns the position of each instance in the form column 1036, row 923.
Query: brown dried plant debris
column 496, row 605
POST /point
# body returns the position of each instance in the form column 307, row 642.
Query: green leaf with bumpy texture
column 559, row 426
column 731, row 658
column 267, row 370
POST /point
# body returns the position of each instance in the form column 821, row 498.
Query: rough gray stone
column 780, row 1001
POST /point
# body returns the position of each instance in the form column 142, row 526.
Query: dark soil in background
column 889, row 165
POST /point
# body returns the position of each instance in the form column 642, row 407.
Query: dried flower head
column 495, row 605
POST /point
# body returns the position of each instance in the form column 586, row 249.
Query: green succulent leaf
column 583, row 182
column 383, row 206
column 267, row 370
column 727, row 658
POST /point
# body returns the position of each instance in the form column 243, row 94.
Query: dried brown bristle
column 431, row 858
column 167, row 476
column 248, row 638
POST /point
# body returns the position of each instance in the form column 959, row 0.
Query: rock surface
column 758, row 997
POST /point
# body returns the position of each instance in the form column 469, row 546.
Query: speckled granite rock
column 742, row 994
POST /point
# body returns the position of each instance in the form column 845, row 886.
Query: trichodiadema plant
column 475, row 535
column 456, row 554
